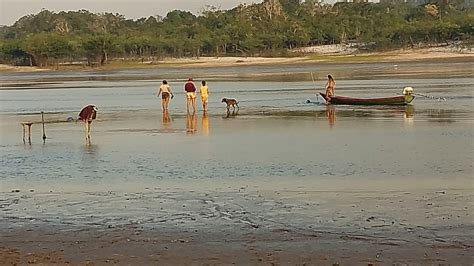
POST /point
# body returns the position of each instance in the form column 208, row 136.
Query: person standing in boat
column 330, row 86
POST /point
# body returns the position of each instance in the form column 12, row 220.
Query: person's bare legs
column 166, row 103
column 187, row 103
column 89, row 126
column 194, row 104
column 86, row 128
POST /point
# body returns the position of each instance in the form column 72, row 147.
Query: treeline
column 269, row 28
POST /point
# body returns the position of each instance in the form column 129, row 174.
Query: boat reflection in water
column 205, row 124
column 331, row 115
column 191, row 123
column 395, row 112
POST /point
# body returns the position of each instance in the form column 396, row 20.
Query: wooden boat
column 395, row 100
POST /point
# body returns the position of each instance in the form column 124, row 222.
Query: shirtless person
column 330, row 86
column 166, row 93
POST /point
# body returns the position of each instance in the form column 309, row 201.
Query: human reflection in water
column 191, row 123
column 409, row 115
column 331, row 115
column 409, row 111
column 205, row 124
column 90, row 160
column 166, row 120
column 90, row 148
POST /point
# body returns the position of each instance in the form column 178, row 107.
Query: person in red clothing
column 190, row 89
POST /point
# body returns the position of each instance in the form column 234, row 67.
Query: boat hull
column 395, row 100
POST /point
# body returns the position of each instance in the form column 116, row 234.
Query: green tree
column 269, row 27
column 98, row 47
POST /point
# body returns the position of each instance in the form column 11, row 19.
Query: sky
column 12, row 10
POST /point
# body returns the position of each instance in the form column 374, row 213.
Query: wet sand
column 244, row 222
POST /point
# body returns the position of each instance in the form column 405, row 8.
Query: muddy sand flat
column 319, row 222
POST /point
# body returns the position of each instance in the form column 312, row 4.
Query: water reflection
column 331, row 115
column 166, row 121
column 205, row 124
column 91, row 149
column 409, row 111
column 406, row 113
column 191, row 123
column 233, row 113
column 90, row 161
column 409, row 115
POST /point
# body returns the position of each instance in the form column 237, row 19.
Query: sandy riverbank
column 9, row 68
column 325, row 56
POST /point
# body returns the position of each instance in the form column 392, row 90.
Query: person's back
column 165, row 88
column 190, row 89
column 165, row 91
column 189, row 86
column 204, row 91
column 204, row 95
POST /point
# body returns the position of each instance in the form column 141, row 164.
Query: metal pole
column 314, row 83
column 44, row 133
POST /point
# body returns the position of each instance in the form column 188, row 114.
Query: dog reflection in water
column 191, row 123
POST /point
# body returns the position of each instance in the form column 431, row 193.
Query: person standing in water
column 204, row 95
column 166, row 94
column 190, row 89
column 330, row 86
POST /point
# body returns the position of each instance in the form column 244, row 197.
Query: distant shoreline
column 405, row 55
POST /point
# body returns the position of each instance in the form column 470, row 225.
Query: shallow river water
column 273, row 158
column 275, row 133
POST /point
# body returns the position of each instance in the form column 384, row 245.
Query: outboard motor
column 408, row 91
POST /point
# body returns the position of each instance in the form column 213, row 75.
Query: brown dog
column 231, row 102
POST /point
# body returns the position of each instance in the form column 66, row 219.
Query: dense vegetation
column 269, row 28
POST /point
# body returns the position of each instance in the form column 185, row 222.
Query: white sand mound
column 327, row 49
